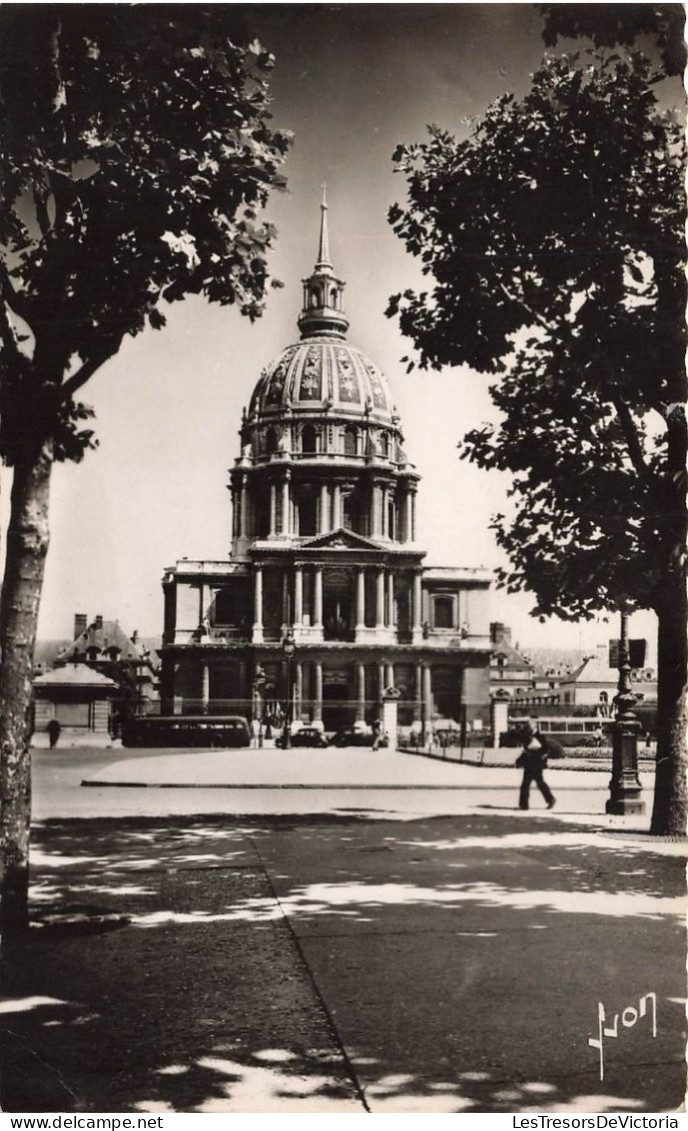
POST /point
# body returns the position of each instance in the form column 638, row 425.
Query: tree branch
column 84, row 374
column 635, row 448
column 8, row 335
column 41, row 212
column 537, row 318
column 14, row 300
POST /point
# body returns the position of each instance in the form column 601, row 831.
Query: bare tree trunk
column 27, row 546
column 670, row 810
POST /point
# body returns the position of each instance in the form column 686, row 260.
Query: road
column 407, row 943
column 301, row 781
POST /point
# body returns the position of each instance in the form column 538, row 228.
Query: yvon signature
column 629, row 1018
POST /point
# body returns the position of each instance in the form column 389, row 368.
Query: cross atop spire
column 324, row 244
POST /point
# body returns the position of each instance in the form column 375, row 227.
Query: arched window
column 315, row 298
column 270, row 441
column 350, row 440
column 309, row 440
column 384, row 445
column 334, row 295
column 604, row 698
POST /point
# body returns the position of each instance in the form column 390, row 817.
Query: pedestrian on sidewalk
column 54, row 727
column 533, row 760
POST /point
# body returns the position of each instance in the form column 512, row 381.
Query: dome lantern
column 322, row 314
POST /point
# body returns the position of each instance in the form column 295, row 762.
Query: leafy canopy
column 135, row 153
column 553, row 237
column 611, row 25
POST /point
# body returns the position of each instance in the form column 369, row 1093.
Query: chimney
column 80, row 624
column 99, row 621
column 500, row 633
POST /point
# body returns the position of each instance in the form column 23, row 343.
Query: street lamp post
column 288, row 648
column 624, row 785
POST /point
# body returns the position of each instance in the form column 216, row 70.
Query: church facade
column 324, row 555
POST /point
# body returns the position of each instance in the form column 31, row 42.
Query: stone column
column 390, row 599
column 317, row 595
column 205, row 689
column 287, row 603
column 298, row 595
column 360, row 599
column 427, row 694
column 375, row 511
column 416, row 603
column 298, row 690
column 286, row 503
column 273, row 510
column 413, row 516
column 243, row 510
column 418, row 704
column 389, row 675
column 201, row 602
column 244, row 691
column 381, row 679
column 324, row 516
column 258, row 605
column 317, row 692
column 380, row 602
column 384, row 532
column 360, row 692
column 235, row 512
column 408, row 521
column 336, row 507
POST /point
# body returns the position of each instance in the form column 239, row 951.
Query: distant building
column 512, row 675
column 104, row 646
column 594, row 683
column 80, row 699
column 324, row 549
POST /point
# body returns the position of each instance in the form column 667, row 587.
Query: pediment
column 340, row 540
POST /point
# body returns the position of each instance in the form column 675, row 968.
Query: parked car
column 305, row 736
column 357, row 736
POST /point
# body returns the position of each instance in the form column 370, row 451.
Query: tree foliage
column 554, row 239
column 614, row 25
column 135, row 154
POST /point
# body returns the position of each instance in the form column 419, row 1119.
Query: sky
column 351, row 81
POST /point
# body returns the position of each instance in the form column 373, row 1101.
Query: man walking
column 533, row 760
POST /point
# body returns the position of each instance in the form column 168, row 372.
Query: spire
column 324, row 245
column 322, row 312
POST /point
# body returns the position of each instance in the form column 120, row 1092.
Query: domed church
column 324, row 557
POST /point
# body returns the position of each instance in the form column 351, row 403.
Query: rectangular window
column 444, row 612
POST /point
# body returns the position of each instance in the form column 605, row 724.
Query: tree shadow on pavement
column 442, row 965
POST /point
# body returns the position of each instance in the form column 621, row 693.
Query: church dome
column 321, row 443
column 323, row 373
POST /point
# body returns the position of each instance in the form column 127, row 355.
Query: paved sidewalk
column 336, row 964
column 376, row 783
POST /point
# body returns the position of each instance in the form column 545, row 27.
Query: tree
column 554, row 237
column 135, row 154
